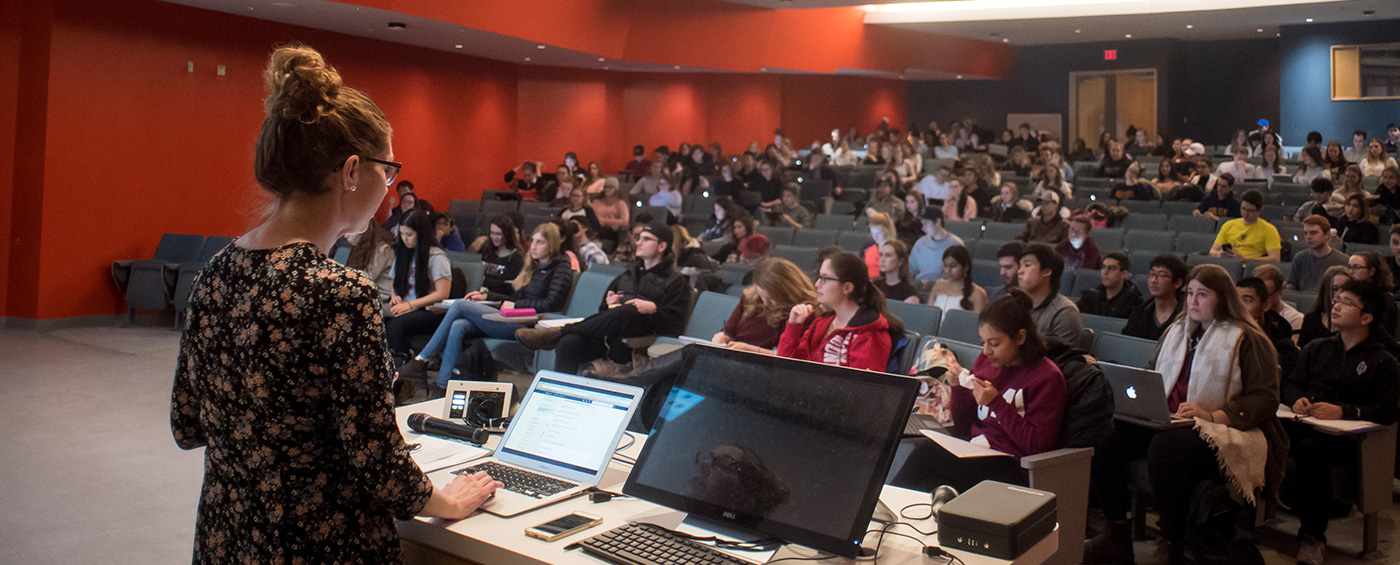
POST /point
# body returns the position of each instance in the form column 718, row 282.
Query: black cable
column 906, row 508
column 816, row 558
column 631, row 440
column 760, row 544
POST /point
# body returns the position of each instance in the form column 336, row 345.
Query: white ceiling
column 1241, row 23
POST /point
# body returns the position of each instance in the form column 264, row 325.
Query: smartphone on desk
column 563, row 526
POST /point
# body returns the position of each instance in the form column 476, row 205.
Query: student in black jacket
column 1116, row 296
column 1253, row 294
column 1164, row 283
column 1351, row 376
column 543, row 284
column 650, row 298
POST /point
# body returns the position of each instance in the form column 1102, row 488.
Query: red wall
column 115, row 143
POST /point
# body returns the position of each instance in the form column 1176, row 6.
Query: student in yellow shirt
column 1248, row 237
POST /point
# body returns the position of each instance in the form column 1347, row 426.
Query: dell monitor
column 791, row 449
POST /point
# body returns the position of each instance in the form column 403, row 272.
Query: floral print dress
column 284, row 379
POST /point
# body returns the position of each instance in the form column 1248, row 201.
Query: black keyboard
column 646, row 544
column 519, row 480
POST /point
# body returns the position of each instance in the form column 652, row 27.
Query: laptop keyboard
column 518, row 480
column 649, row 544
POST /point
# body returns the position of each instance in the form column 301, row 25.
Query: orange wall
column 115, row 143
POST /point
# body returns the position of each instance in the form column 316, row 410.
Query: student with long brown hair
column 280, row 338
column 894, row 280
column 856, row 331
column 372, row 251
column 757, row 322
column 1220, row 370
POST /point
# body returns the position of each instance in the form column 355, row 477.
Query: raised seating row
column 165, row 279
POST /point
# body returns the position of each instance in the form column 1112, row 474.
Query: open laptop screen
column 788, row 448
column 567, row 424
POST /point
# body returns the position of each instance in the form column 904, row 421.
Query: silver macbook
column 1140, row 397
column 559, row 442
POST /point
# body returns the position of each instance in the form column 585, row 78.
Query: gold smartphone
column 563, row 526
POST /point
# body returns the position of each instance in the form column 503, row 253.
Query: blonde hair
column 880, row 219
column 552, row 241
column 314, row 123
column 785, row 284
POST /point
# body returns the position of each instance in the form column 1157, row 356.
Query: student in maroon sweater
column 1014, row 405
column 757, row 322
column 855, row 332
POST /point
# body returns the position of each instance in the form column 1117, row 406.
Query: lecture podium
column 489, row 540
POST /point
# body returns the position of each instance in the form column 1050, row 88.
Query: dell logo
column 728, row 514
column 1132, row 393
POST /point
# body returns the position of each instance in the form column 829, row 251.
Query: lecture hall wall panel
column 115, row 143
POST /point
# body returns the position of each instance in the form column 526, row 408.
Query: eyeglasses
column 391, row 170
column 824, row 278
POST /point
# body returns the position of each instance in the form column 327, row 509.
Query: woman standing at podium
column 283, row 373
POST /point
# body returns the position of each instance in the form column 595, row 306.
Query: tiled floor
column 90, row 474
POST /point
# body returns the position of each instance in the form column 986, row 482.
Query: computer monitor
column 792, row 449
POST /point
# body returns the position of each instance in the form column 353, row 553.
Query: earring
column 352, row 188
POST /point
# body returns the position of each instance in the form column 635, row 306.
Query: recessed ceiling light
column 398, row 25
column 459, row 45
column 959, row 77
column 601, row 59
column 763, row 69
column 1078, row 31
column 1006, row 40
column 678, row 67
column 527, row 59
column 1189, row 26
column 284, row 4
column 540, row 46
column 1309, row 20
column 250, row 8
column 1260, row 30
column 1128, row 35
column 606, row 67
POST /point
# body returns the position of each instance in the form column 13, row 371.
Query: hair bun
column 300, row 85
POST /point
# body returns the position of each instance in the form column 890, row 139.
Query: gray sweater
column 1058, row 319
column 1306, row 274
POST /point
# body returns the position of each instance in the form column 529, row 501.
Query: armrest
column 639, row 342
column 121, row 273
column 1056, row 457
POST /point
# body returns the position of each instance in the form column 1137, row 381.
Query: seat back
column 1103, row 324
column 1145, row 222
column 588, row 294
column 960, row 325
column 814, row 238
column 853, row 241
column 921, row 318
column 1124, row 350
column 777, row 235
column 1140, row 207
column 1232, row 266
column 1085, row 279
column 1108, row 239
column 803, row 257
column 179, row 247
column 711, row 310
column 472, row 273
column 1302, row 300
column 968, row 231
column 1003, row 232
column 831, row 222
column 965, row 352
column 1155, row 240
column 217, row 243
column 1185, row 223
column 1193, row 242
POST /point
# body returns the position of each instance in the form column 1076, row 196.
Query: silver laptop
column 1140, row 397
column 559, row 443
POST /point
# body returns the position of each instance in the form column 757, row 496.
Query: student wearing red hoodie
column 856, row 331
column 1014, row 405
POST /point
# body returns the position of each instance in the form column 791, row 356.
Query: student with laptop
column 1350, row 376
column 1218, row 369
column 1013, row 403
column 650, row 298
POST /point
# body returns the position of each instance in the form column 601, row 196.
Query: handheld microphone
column 425, row 424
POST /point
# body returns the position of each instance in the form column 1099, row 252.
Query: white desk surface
column 486, row 538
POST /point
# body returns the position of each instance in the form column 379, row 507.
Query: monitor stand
column 883, row 514
column 720, row 529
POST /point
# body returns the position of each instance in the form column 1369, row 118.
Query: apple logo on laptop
column 1132, row 393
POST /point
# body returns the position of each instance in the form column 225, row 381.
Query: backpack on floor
column 1212, row 532
column 474, row 363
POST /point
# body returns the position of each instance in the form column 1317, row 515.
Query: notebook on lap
column 559, row 443
column 1140, row 397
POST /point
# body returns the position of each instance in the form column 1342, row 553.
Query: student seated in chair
column 650, row 298
column 1116, row 296
column 422, row 277
column 1165, row 282
column 894, row 280
column 1039, row 275
column 1348, row 376
column 1308, row 266
column 1219, row 370
column 1013, row 403
column 1249, row 236
column 543, row 285
column 856, row 331
column 1254, row 293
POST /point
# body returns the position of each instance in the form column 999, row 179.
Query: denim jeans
column 464, row 321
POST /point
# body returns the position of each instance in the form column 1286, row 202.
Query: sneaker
column 1310, row 551
column 415, row 369
column 539, row 338
column 606, row 369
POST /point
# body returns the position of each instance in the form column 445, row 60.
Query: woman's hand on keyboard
column 461, row 497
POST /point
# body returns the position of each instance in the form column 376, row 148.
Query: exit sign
column 1110, row 54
